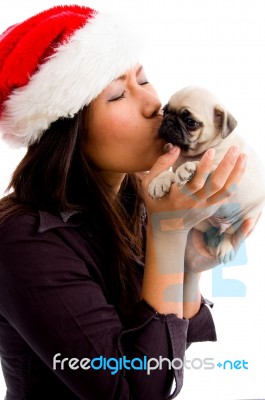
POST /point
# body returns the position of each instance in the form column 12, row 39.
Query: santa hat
column 55, row 63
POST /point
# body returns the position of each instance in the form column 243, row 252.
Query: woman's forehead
column 137, row 69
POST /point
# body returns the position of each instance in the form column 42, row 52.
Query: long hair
column 55, row 175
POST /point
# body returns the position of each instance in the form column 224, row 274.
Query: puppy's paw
column 185, row 173
column 224, row 251
column 161, row 184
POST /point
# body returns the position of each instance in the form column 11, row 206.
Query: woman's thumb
column 165, row 161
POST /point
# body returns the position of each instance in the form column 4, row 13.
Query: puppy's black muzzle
column 174, row 131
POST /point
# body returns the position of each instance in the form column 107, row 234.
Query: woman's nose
column 151, row 105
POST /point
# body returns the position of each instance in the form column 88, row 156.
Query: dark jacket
column 54, row 299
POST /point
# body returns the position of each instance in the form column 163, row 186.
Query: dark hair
column 55, row 175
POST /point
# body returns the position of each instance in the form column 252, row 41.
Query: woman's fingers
column 163, row 163
column 220, row 175
column 218, row 181
column 222, row 182
column 233, row 174
column 203, row 170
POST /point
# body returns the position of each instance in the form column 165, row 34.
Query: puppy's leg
column 185, row 173
column 161, row 184
column 223, row 250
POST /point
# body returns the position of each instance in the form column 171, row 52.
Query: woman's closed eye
column 118, row 97
column 123, row 94
column 143, row 83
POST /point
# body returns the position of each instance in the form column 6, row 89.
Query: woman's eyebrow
column 123, row 77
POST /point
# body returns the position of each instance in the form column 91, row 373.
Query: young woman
column 91, row 289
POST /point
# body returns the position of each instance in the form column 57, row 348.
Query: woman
column 80, row 276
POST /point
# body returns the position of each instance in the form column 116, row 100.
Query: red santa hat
column 55, row 63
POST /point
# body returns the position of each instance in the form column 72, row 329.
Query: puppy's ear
column 224, row 121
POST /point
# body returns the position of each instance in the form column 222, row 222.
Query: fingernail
column 167, row 147
column 235, row 150
column 173, row 149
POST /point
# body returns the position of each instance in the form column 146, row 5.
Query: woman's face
column 122, row 125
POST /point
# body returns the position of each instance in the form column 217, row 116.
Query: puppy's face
column 194, row 120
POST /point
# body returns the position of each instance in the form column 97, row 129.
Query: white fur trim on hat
column 96, row 54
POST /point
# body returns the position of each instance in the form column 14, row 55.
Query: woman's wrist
column 191, row 294
column 169, row 246
column 164, row 269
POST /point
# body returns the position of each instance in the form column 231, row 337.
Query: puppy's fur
column 196, row 121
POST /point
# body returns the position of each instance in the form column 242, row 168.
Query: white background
column 218, row 44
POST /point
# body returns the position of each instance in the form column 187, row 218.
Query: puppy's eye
column 191, row 123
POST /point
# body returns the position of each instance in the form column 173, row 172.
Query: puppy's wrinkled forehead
column 196, row 100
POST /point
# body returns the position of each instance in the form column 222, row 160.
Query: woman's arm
column 164, row 269
column 171, row 218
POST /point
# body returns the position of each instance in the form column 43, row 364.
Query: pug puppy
column 195, row 121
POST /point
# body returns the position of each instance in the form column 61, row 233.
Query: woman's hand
column 197, row 257
column 166, row 286
column 200, row 197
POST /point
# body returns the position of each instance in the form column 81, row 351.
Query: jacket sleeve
column 50, row 298
column 201, row 326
